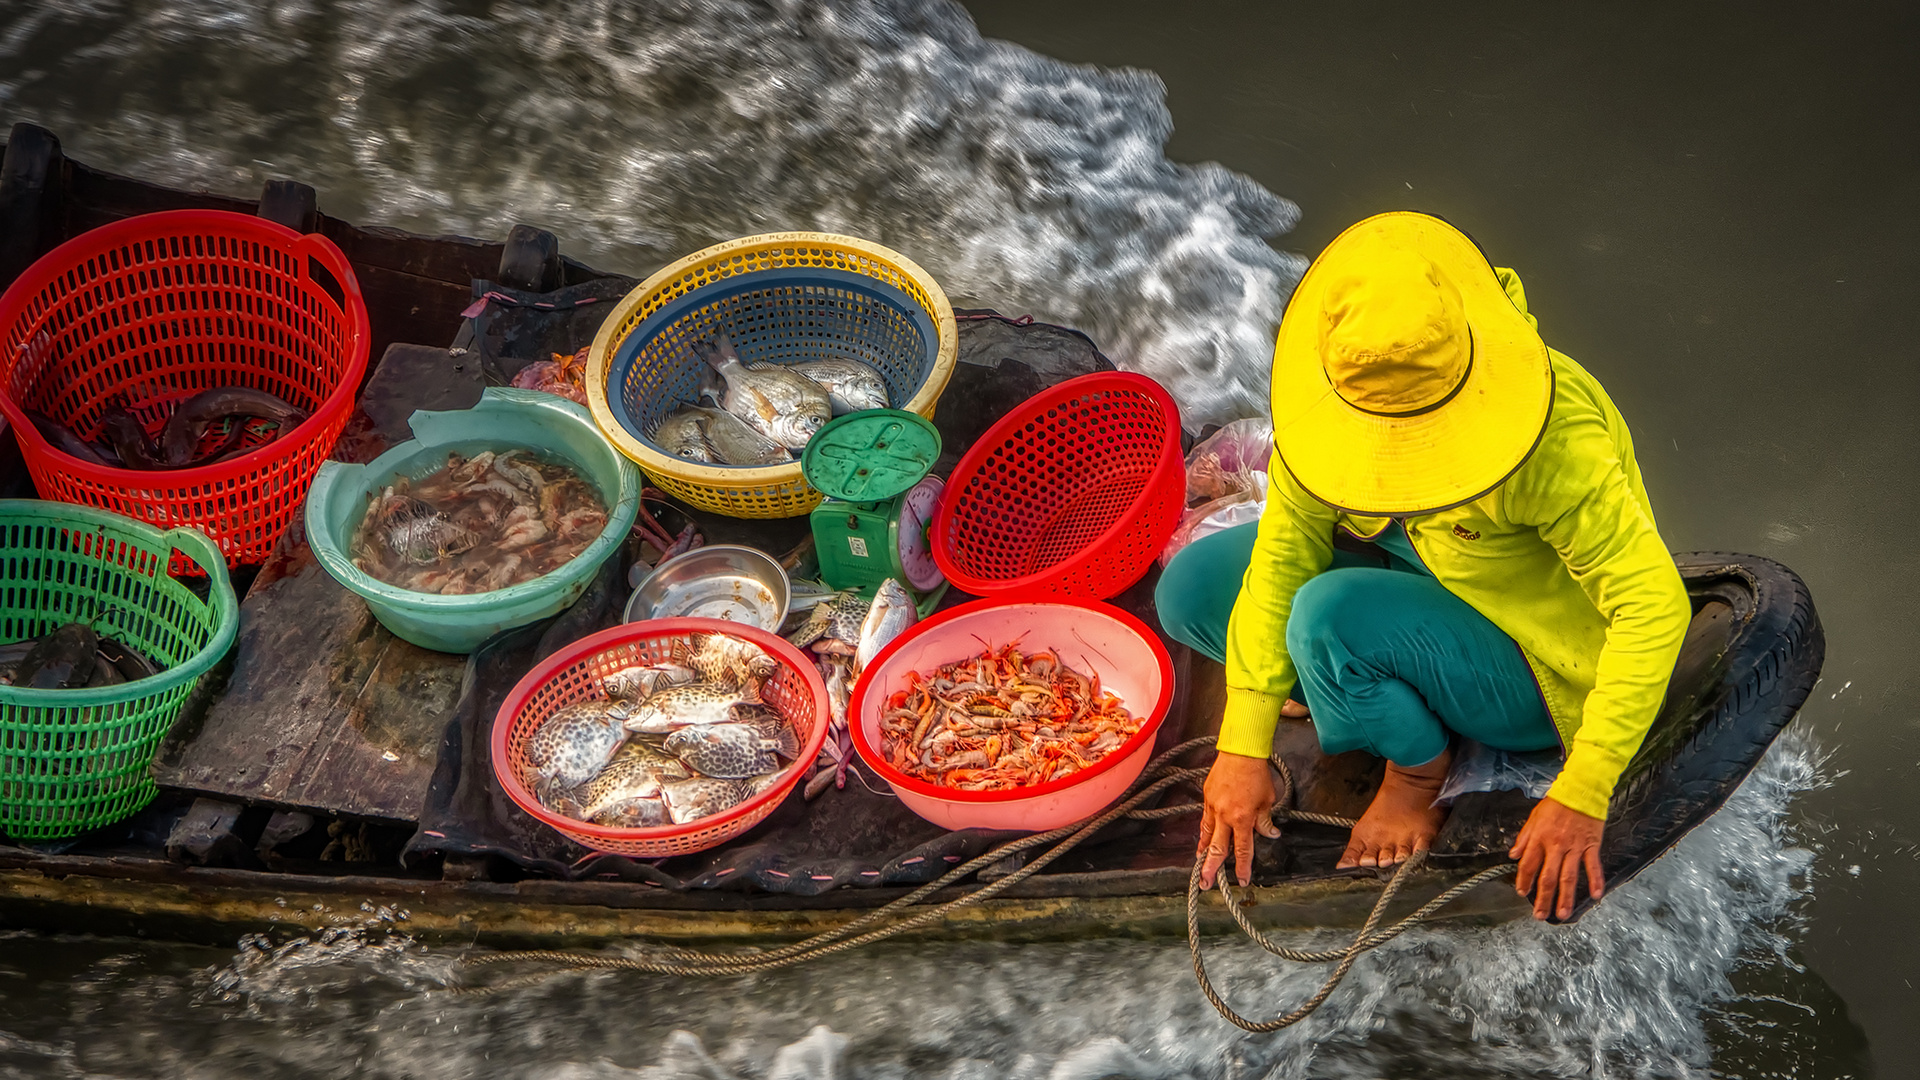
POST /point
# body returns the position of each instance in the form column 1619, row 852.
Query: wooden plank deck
column 324, row 708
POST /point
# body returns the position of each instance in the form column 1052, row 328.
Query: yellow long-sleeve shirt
column 1564, row 556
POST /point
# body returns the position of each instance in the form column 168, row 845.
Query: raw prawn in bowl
column 547, row 426
column 1112, row 648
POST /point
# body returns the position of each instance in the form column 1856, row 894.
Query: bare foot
column 1402, row 818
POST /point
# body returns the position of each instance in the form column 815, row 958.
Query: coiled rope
column 1159, row 775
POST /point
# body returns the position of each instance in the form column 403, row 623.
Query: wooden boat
column 281, row 814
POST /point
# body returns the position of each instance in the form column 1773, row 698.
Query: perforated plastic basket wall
column 782, row 297
column 572, row 674
column 73, row 760
column 147, row 312
column 1073, row 493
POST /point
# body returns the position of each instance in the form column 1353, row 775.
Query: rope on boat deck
column 1368, row 938
column 1157, row 777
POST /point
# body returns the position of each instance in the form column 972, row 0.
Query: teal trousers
column 1389, row 661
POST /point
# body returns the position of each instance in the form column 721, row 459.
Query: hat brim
column 1365, row 463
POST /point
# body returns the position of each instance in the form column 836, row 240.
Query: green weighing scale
column 873, row 467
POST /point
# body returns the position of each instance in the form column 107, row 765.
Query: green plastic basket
column 73, row 760
column 504, row 418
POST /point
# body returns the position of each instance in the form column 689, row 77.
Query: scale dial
column 912, row 547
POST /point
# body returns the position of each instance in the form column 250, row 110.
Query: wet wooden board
column 325, row 709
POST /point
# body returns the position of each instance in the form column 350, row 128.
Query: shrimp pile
column 1002, row 720
column 478, row 524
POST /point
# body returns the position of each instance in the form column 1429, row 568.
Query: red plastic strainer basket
column 572, row 674
column 1071, row 494
column 149, row 311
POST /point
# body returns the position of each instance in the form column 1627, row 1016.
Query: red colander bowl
column 1093, row 639
column 148, row 311
column 1072, row 494
column 573, row 674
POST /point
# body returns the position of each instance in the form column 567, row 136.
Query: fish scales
column 724, row 751
column 686, row 706
column 728, row 660
column 690, row 800
column 575, row 743
column 738, row 443
column 892, row 612
column 850, row 384
column 784, row 406
column 627, row 793
column 834, row 624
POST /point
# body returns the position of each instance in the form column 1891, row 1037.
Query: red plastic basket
column 1072, row 494
column 149, row 311
column 572, row 674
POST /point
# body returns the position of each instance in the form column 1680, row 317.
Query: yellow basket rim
column 731, row 477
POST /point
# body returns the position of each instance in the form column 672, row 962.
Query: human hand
column 1553, row 845
column 1293, row 710
column 1237, row 802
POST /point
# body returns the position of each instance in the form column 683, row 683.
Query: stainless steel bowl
column 724, row 581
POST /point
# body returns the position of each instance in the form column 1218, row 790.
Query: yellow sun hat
column 1404, row 379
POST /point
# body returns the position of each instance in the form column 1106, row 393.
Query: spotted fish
column 727, row 751
column 640, row 681
column 627, row 792
column 690, row 800
column 728, row 660
column 575, row 743
column 834, row 624
column 772, row 726
column 686, row 706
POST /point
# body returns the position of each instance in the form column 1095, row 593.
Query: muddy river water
column 1713, row 209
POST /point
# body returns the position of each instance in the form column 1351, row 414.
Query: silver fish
column 728, row 660
column 774, row 401
column 839, row 692
column 738, row 443
column 850, row 384
column 690, row 800
column 724, row 751
column 575, row 743
column 834, row 625
column 684, row 434
column 686, row 706
column 892, row 612
column 637, row 683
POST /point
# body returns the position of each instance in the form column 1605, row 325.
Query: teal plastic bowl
column 503, row 419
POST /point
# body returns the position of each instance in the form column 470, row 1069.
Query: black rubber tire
column 1769, row 669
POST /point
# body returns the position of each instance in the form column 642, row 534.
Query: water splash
column 1633, row 990
column 641, row 132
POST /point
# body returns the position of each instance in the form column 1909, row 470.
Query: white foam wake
column 641, row 132
column 1638, row 988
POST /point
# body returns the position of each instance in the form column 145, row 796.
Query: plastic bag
column 1226, row 482
column 1479, row 767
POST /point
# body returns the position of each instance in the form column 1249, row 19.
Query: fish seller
column 1518, row 591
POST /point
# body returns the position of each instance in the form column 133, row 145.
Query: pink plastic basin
column 1088, row 637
